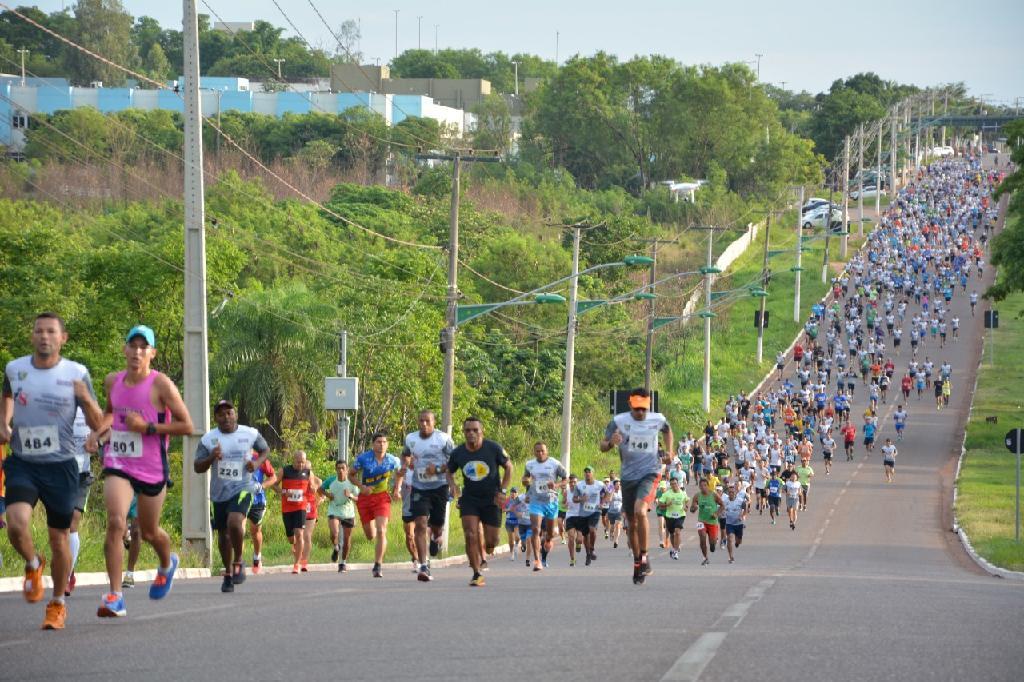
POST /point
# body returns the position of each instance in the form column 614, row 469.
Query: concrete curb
column 91, row 579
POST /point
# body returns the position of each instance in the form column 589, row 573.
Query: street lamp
column 279, row 61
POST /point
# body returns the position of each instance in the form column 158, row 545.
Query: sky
column 807, row 44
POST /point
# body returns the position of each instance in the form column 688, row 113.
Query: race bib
column 231, row 470
column 643, row 440
column 422, row 476
column 674, row 514
column 589, row 507
column 296, row 495
column 125, row 444
column 700, row 525
column 39, row 440
column 541, row 487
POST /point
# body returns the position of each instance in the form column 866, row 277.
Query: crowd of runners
column 756, row 459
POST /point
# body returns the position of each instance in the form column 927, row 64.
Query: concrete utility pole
column 843, row 245
column 516, row 65
column 649, row 348
column 892, row 150
column 23, row 52
column 828, row 230
column 758, row 55
column 195, row 488
column 945, row 110
column 436, row 26
column 279, row 62
column 878, row 173
column 799, row 260
column 570, row 351
column 343, row 422
column 860, row 181
column 396, row 31
column 764, row 285
column 917, row 140
column 419, row 32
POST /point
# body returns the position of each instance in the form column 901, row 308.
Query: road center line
column 691, row 664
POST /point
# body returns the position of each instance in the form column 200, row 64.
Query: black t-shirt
column 480, row 474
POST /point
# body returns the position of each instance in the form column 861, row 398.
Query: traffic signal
column 991, row 319
column 757, row 320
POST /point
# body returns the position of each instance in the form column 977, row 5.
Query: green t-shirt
column 341, row 506
column 804, row 474
column 676, row 502
column 707, row 508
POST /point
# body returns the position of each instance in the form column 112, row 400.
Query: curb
column 193, row 573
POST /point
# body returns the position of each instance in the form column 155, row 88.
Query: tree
column 104, row 27
column 348, row 37
column 1008, row 245
column 156, row 64
column 493, row 124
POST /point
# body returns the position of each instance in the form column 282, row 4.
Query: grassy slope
column 985, row 502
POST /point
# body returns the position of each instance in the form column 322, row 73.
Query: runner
column 774, row 495
column 828, row 447
column 708, row 504
column 737, row 506
column 804, row 472
column 615, row 512
column 673, row 504
column 793, row 490
column 636, row 433
column 889, row 460
column 570, row 521
column 143, row 410
column 313, row 498
column 38, row 404
column 85, row 481
column 226, row 452
column 849, row 432
column 341, row 514
column 372, row 472
column 547, row 476
column 588, row 495
column 266, row 477
column 292, row 484
column 511, row 523
column 426, row 453
column 899, row 419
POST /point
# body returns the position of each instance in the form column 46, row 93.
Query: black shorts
column 408, row 518
column 55, row 484
column 85, row 481
column 672, row 525
column 256, row 513
column 239, row 504
column 827, row 455
column 614, row 517
column 345, row 523
column 140, row 487
column 430, row 502
column 485, row 509
column 561, row 514
column 735, row 529
column 585, row 524
column 774, row 501
column 293, row 521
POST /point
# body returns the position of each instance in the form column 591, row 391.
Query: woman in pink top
column 144, row 408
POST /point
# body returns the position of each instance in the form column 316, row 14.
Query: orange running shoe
column 295, row 569
column 33, row 587
column 56, row 612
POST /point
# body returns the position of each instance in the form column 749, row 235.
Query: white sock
column 75, row 544
column 34, row 564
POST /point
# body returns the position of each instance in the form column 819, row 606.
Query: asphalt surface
column 871, row 585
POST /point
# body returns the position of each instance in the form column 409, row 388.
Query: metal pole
column 448, row 389
column 945, row 110
column 846, row 199
column 419, row 33
column 878, row 174
column 195, row 488
column 343, row 421
column 860, row 185
column 828, row 233
column 517, row 90
column 436, row 26
column 764, row 285
column 799, row 260
column 1016, row 534
column 892, row 151
column 570, row 353
column 23, row 52
column 649, row 349
column 396, row 32
column 706, row 402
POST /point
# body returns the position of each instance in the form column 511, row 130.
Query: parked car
column 869, row 192
column 942, row 151
column 817, row 217
column 813, row 203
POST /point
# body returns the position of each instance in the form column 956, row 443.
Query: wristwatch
column 151, row 429
column 504, row 491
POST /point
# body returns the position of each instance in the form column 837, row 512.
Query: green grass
column 985, row 501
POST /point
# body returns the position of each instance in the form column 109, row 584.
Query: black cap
column 221, row 404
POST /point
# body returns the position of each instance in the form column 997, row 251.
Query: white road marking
column 691, row 664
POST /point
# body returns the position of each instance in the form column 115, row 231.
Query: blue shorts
column 525, row 531
column 548, row 511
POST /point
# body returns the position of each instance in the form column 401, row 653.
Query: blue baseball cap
column 143, row 331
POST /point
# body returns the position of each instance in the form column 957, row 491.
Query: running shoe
column 424, row 575
column 647, row 570
column 544, row 563
column 732, row 561
column 512, row 556
column 543, row 555
column 128, row 582
column 56, row 613
column 71, row 585
column 238, row 576
column 341, row 568
column 112, row 606
column 435, row 547
column 572, row 562
column 295, row 569
column 638, row 574
column 483, row 565
column 257, row 566
column 527, row 563
column 536, row 566
column 377, row 572
column 705, row 562
column 163, row 582
column 593, row 556
column 477, row 581
column 792, row 526
column 615, row 545
column 228, row 584
column 334, row 554
column 33, row 587
column 304, row 566
column 587, row 562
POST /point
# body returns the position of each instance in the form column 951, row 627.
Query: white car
column 942, row 151
column 816, row 217
column 813, row 203
column 869, row 192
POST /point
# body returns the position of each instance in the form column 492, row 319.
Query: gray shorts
column 85, row 481
column 640, row 489
column 792, row 502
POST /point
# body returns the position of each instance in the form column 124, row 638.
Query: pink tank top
column 141, row 456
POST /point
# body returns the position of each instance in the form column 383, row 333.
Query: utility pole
column 860, row 185
column 764, row 285
column 451, row 313
column 343, row 421
column 706, row 394
column 570, row 351
column 195, row 493
column 516, row 65
column 23, row 52
column 558, row 36
column 758, row 55
column 828, row 231
column 649, row 348
column 279, row 62
column 436, row 26
column 843, row 244
column 945, row 110
column 878, row 173
column 799, row 259
column 396, row 31
column 917, row 140
column 419, row 32
column 892, row 150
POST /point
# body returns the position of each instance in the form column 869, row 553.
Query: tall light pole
column 436, row 26
column 709, row 270
column 758, row 55
column 195, row 493
column 843, row 244
column 23, row 52
column 419, row 32
column 860, row 181
column 892, row 150
column 570, row 351
column 878, row 173
column 799, row 256
column 649, row 347
column 279, row 62
column 396, row 31
column 764, row 286
column 516, row 65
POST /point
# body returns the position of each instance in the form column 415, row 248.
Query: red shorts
column 712, row 530
column 373, row 505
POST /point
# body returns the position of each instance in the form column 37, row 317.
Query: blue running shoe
column 162, row 584
column 112, row 606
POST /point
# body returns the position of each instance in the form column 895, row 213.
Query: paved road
column 871, row 585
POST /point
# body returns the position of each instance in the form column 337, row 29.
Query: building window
column 19, row 121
